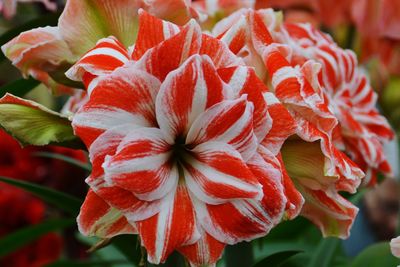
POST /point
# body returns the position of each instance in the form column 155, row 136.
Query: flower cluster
column 202, row 139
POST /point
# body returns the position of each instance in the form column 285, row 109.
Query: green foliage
column 19, row 87
column 277, row 259
column 377, row 255
column 66, row 159
column 26, row 235
column 58, row 199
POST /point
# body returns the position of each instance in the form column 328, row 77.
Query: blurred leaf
column 324, row 253
column 19, row 87
column 60, row 200
column 26, row 235
column 42, row 21
column 377, row 255
column 129, row 246
column 277, row 259
column 239, row 255
column 32, row 123
column 64, row 158
column 66, row 263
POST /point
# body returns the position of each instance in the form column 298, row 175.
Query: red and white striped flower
column 361, row 130
column 183, row 139
column 256, row 36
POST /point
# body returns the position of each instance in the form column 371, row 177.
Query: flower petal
column 143, row 164
column 185, row 94
column 283, row 124
column 84, row 22
column 395, row 246
column 171, row 53
column 152, row 31
column 125, row 96
column 104, row 58
column 97, row 218
column 173, row 227
column 231, row 122
column 125, row 201
column 247, row 220
column 333, row 214
column 215, row 172
column 205, row 252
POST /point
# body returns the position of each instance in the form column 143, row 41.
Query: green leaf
column 34, row 124
column 277, row 259
column 19, row 87
column 26, row 235
column 60, row 200
column 64, row 158
column 376, row 255
column 324, row 253
column 66, row 263
column 42, row 21
column 129, row 246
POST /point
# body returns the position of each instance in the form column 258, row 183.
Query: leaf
column 277, row 259
column 26, row 235
column 34, row 124
column 64, row 158
column 42, row 21
column 65, row 263
column 60, row 200
column 324, row 253
column 129, row 246
column 19, row 87
column 376, row 255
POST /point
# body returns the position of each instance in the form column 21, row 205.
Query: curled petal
column 173, row 227
column 229, row 121
column 97, row 218
column 185, row 94
column 178, row 11
column 215, row 173
column 123, row 200
column 104, row 58
column 125, row 96
column 143, row 164
column 283, row 124
column 332, row 213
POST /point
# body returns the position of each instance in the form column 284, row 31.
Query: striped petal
column 230, row 122
column 125, row 201
column 205, row 252
column 244, row 81
column 173, row 52
column 283, row 124
column 185, row 94
column 215, row 173
column 173, row 227
column 125, row 96
column 152, row 31
column 332, row 213
column 247, row 220
column 104, row 58
column 143, row 165
column 97, row 218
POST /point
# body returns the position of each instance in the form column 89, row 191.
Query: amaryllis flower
column 182, row 138
column 361, row 129
column 395, row 246
column 45, row 53
column 256, row 36
column 9, row 7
